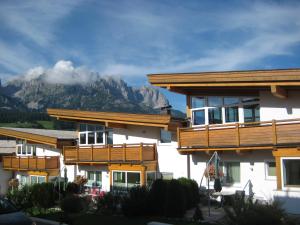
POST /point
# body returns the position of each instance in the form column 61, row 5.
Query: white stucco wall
column 5, row 176
column 272, row 107
column 252, row 167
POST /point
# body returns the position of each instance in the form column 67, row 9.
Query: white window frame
column 287, row 188
column 235, row 184
column 90, row 171
column 95, row 136
column 26, row 146
column 266, row 170
column 126, row 172
column 37, row 176
column 240, row 106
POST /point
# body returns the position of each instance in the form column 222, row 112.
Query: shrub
column 191, row 191
column 21, row 197
column 175, row 203
column 248, row 213
column 135, row 204
column 73, row 204
column 107, row 203
column 72, row 188
column 43, row 195
column 157, row 196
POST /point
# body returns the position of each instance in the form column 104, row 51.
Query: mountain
column 99, row 94
column 9, row 103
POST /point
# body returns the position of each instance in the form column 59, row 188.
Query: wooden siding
column 30, row 163
column 241, row 135
column 155, row 120
column 125, row 153
column 232, row 78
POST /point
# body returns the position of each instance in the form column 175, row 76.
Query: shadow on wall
column 289, row 199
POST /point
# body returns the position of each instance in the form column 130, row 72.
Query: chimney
column 166, row 110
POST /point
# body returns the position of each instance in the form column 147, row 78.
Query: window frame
column 287, row 187
column 235, row 184
column 26, row 146
column 94, row 132
column 126, row 181
column 94, row 178
column 240, row 105
column 37, row 179
column 267, row 176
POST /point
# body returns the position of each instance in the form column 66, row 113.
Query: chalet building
column 252, row 119
column 7, row 147
column 37, row 155
column 121, row 150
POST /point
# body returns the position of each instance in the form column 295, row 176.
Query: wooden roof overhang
column 36, row 138
column 229, row 82
column 113, row 119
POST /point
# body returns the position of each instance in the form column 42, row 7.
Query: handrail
column 258, row 123
column 8, row 162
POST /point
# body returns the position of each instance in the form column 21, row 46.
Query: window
column 219, row 110
column 165, row 136
column 291, row 172
column 23, row 180
column 251, row 113
column 231, row 172
column 151, row 177
column 91, row 134
column 94, row 178
column 125, row 179
column 26, row 150
column 37, row 179
column 109, row 137
column 199, row 117
column 270, row 169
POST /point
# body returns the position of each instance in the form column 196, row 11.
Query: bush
column 157, row 196
column 248, row 213
column 43, row 195
column 21, row 197
column 107, row 204
column 72, row 188
column 73, row 204
column 135, row 204
column 191, row 191
column 175, row 203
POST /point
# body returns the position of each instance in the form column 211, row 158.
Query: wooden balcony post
column 11, row 165
column 207, row 135
column 36, row 162
column 27, row 162
column 45, row 162
column 77, row 149
column 274, row 132
column 19, row 162
column 124, row 152
column 141, row 152
column 178, row 137
column 237, row 128
column 92, row 154
column 154, row 152
column 108, row 152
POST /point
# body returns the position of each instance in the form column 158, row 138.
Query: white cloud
column 63, row 72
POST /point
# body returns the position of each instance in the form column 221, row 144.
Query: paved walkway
column 216, row 214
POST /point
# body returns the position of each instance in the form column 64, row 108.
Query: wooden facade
column 240, row 136
column 107, row 154
column 29, row 163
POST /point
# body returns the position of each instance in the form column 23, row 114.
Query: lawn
column 36, row 124
column 97, row 219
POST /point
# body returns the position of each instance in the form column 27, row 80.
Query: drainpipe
column 188, row 166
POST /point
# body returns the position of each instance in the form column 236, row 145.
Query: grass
column 46, row 124
column 97, row 219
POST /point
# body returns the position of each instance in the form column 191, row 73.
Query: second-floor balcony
column 256, row 135
column 31, row 163
column 117, row 153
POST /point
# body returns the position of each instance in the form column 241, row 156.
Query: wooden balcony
column 240, row 136
column 30, row 163
column 123, row 153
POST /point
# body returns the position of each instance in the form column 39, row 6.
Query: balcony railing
column 110, row 153
column 30, row 162
column 260, row 135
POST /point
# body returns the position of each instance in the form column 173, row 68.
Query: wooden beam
column 115, row 125
column 278, row 91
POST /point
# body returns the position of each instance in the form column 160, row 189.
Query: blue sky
column 132, row 38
